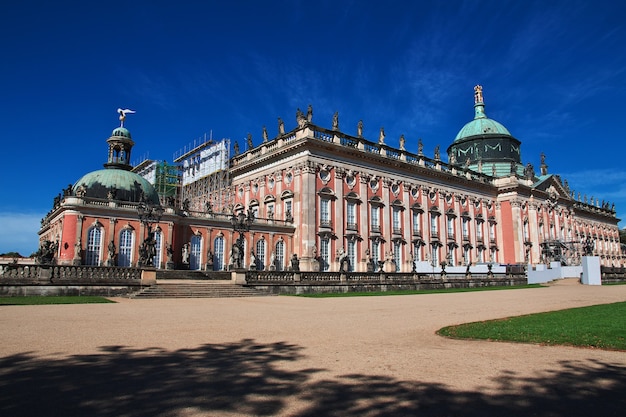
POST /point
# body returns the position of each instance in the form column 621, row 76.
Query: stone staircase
column 197, row 289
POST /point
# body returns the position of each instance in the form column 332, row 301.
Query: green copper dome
column 116, row 184
column 122, row 132
column 481, row 127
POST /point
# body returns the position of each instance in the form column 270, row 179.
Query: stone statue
column 359, row 129
column 300, row 119
column 295, row 263
column 208, row 207
column 253, row 261
column 381, row 136
column 281, row 126
column 437, row 154
column 265, row 135
column 309, row 114
column 185, row 253
column 170, row 253
column 273, row 262
column 111, row 250
column 123, row 113
column 452, row 158
column 420, row 147
column 236, row 148
column 78, row 248
column 478, row 94
column 342, row 257
column 249, row 141
column 402, row 148
column 336, row 121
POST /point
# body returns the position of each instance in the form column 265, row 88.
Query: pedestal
column 591, row 271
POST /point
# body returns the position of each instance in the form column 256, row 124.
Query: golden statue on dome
column 123, row 113
column 478, row 94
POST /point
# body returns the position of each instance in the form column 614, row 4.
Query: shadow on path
column 245, row 378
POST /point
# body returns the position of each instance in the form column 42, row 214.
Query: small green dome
column 482, row 126
column 116, row 184
column 121, row 131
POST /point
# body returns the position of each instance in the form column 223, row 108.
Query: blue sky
column 553, row 73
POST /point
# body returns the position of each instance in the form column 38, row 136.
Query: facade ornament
column 236, row 148
column 309, row 114
column 420, row 147
column 265, row 135
column 544, row 167
column 336, row 121
column 281, row 126
column 249, row 141
column 437, row 155
column 402, row 148
column 381, row 136
column 359, row 129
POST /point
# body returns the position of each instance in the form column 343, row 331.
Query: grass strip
column 601, row 326
column 412, row 292
column 41, row 300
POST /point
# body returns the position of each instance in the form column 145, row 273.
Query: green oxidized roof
column 481, row 125
column 121, row 131
column 126, row 185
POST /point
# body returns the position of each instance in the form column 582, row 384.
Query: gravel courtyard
column 291, row 356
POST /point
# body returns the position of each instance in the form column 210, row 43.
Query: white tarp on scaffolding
column 205, row 161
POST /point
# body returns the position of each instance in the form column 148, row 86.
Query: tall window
column 375, row 253
column 324, row 253
column 158, row 237
column 218, row 249
column 280, row 255
column 375, row 219
column 351, row 255
column 434, row 229
column 288, row 210
column 492, row 232
column 434, row 255
column 479, row 230
column 397, row 254
column 451, row 227
column 494, row 254
column 196, row 253
column 94, row 244
column 451, row 255
column 526, row 234
column 351, row 215
column 325, row 212
column 125, row 254
column 395, row 214
column 260, row 254
column 465, row 228
column 466, row 255
column 417, row 228
column 417, row 252
column 481, row 254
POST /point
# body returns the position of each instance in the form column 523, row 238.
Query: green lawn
column 602, row 326
column 411, row 292
column 37, row 300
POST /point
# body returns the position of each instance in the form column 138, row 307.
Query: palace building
column 320, row 194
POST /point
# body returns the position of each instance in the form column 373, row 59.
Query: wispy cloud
column 18, row 232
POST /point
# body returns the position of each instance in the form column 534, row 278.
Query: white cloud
column 18, row 232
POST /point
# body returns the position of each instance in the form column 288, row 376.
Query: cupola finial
column 122, row 113
column 478, row 94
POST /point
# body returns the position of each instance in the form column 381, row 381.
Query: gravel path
column 362, row 356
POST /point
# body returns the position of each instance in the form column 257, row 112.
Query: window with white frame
column 395, row 216
column 351, row 255
column 280, row 255
column 450, row 221
column 260, row 254
column 397, row 254
column 218, row 253
column 375, row 218
column 325, row 253
column 417, row 252
column 492, row 231
column 434, row 228
column 481, row 254
column 325, row 212
column 288, row 210
column 125, row 252
column 417, row 227
column 94, row 245
column 351, row 215
column 195, row 254
column 466, row 255
column 451, row 255
column 479, row 230
column 465, row 228
column 158, row 247
column 494, row 254
column 434, row 255
column 526, row 232
column 375, row 253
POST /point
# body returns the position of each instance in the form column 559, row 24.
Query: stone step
column 205, row 289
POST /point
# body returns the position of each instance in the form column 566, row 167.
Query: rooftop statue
column 359, row 128
column 381, row 136
column 478, row 94
column 123, row 113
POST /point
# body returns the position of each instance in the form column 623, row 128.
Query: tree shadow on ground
column 245, row 378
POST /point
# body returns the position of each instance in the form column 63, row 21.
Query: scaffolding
column 205, row 177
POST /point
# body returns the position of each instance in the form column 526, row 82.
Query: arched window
column 260, row 254
column 196, row 253
column 94, row 245
column 125, row 255
column 280, row 255
column 218, row 253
